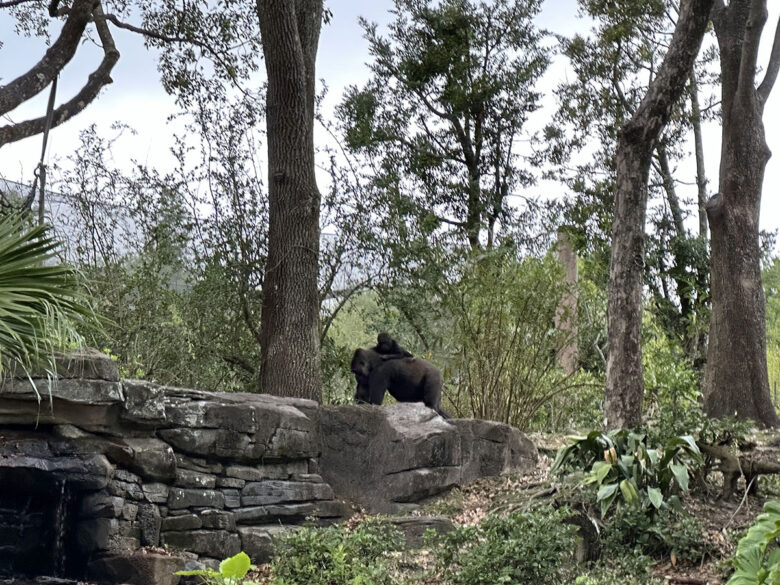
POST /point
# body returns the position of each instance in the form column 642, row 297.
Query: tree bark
column 701, row 174
column 290, row 349
column 636, row 142
column 736, row 379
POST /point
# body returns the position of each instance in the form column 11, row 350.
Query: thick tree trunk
column 290, row 350
column 625, row 385
column 736, row 380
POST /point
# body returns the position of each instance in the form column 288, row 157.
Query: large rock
column 238, row 426
column 258, row 541
column 386, row 458
column 138, row 568
column 215, row 543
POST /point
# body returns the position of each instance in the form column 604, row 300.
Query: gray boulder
column 390, row 458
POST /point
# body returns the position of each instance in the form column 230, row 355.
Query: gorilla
column 389, row 347
column 407, row 379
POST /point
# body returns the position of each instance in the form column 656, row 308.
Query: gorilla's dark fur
column 389, row 348
column 407, row 380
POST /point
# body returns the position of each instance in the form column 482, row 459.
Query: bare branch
column 95, row 82
column 57, row 56
column 9, row 3
column 772, row 68
column 171, row 39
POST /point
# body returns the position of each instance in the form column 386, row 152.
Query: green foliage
column 625, row 468
column 757, row 559
column 231, row 572
column 622, row 565
column 503, row 314
column 517, row 549
column 334, row 555
column 40, row 300
column 666, row 533
column 452, row 87
column 672, row 396
column 771, row 280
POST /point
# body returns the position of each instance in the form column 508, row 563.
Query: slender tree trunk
column 736, row 379
column 290, row 350
column 625, row 386
column 701, row 174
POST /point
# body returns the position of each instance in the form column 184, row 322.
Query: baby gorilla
column 407, row 379
column 389, row 348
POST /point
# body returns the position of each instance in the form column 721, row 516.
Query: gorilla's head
column 361, row 367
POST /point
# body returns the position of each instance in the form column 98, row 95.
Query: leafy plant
column 625, row 467
column 231, row 571
column 667, row 533
column 757, row 560
column 513, row 550
column 334, row 555
column 39, row 296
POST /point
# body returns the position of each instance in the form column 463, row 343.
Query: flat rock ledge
column 143, row 465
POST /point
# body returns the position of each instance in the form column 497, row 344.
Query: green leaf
column 680, row 474
column 629, row 492
column 599, row 472
column 236, row 566
column 656, row 497
column 606, row 491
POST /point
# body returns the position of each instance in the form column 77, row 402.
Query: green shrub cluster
column 517, row 549
column 626, row 467
column 336, row 556
column 668, row 533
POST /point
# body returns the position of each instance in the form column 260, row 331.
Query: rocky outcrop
column 391, row 458
column 116, row 465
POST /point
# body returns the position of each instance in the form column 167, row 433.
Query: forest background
column 169, row 229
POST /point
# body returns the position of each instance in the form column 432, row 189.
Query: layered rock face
column 115, row 465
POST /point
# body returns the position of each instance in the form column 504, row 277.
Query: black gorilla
column 407, row 380
column 389, row 348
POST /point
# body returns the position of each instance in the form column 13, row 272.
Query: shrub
column 625, row 467
column 757, row 560
column 520, row 548
column 504, row 338
column 334, row 555
column 667, row 533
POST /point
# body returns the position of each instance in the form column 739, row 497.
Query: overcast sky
column 137, row 99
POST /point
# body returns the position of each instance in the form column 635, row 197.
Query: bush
column 666, row 534
column 626, row 467
column 334, row 555
column 515, row 549
column 503, row 336
column 623, row 567
column 758, row 557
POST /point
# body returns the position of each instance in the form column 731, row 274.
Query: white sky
column 137, row 99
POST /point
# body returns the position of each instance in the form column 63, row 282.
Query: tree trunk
column 625, row 386
column 701, row 175
column 736, row 379
column 290, row 350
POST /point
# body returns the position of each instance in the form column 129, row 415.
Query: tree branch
column 10, row 3
column 95, row 82
column 772, row 69
column 754, row 27
column 54, row 60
